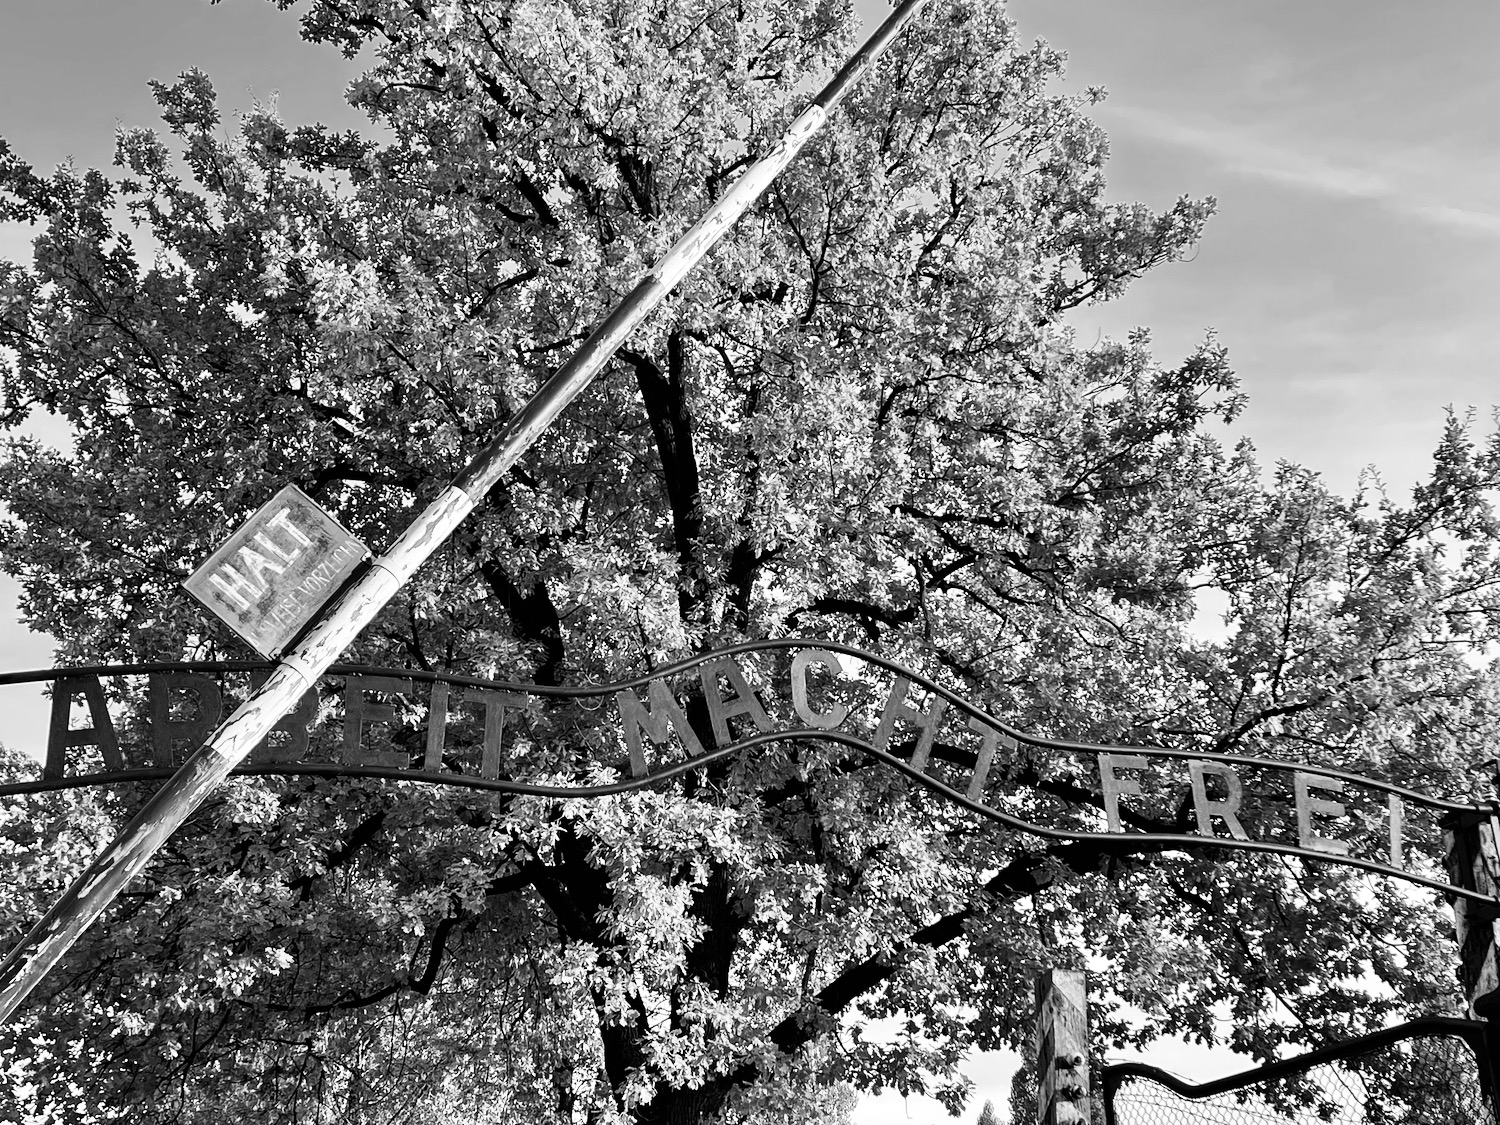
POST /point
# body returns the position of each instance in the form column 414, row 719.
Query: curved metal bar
column 587, row 691
column 68, row 672
column 1156, row 841
column 1470, row 1031
column 1163, row 840
column 1443, row 803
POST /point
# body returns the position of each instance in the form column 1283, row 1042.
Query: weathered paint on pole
column 208, row 766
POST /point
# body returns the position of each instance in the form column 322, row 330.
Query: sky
column 1352, row 148
column 1351, row 145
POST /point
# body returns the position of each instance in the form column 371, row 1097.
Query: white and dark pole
column 299, row 669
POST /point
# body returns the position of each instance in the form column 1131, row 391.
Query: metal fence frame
column 1478, row 1034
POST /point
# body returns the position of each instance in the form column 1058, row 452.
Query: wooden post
column 1471, row 843
column 1062, row 1048
column 342, row 621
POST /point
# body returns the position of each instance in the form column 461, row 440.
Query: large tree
column 862, row 418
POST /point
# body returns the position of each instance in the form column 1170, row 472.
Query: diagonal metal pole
column 208, row 766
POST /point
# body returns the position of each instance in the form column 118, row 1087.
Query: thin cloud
column 1486, row 221
column 1408, row 182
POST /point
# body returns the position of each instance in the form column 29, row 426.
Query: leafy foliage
column 862, row 418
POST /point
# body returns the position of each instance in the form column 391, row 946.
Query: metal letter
column 990, row 740
column 208, row 702
column 925, row 721
column 721, row 711
column 495, row 704
column 1225, row 809
column 296, row 724
column 437, row 720
column 359, row 711
column 1114, row 786
column 800, row 663
column 1397, row 811
column 634, row 718
column 61, row 736
column 1309, row 806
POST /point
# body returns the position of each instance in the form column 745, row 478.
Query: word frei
column 183, row 707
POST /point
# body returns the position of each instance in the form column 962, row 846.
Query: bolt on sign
column 277, row 570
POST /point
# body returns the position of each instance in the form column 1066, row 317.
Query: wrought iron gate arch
column 1111, row 759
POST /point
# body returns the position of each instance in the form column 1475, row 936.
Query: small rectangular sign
column 277, row 570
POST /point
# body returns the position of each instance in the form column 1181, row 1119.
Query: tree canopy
column 862, row 418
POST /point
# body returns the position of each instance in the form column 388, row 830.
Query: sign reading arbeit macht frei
column 488, row 734
column 277, row 570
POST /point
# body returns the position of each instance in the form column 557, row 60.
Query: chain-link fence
column 1424, row 1079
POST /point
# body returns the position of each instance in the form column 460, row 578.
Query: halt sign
column 277, row 570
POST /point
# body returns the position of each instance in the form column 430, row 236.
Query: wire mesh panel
column 1432, row 1080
